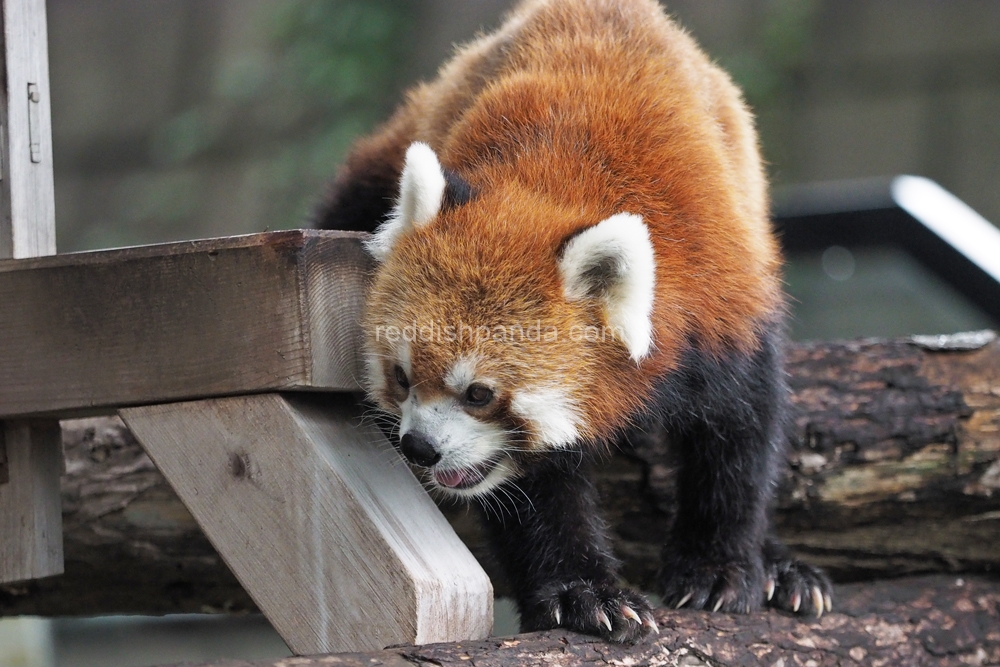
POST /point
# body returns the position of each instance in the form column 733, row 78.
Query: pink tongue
column 449, row 478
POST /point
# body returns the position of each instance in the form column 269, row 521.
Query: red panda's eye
column 478, row 395
column 401, row 378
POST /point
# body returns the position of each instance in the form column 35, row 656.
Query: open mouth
column 464, row 478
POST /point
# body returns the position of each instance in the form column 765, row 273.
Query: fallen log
column 895, row 470
column 894, row 462
column 932, row 620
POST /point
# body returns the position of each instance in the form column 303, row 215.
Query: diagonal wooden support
column 30, row 516
column 320, row 520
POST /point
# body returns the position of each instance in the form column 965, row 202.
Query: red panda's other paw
column 734, row 587
column 797, row 587
column 612, row 613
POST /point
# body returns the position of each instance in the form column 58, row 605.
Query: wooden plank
column 320, row 520
column 30, row 516
column 31, row 545
column 93, row 331
column 27, row 223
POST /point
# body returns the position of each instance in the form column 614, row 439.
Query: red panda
column 571, row 225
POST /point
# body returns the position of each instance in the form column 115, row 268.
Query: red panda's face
column 464, row 347
column 490, row 345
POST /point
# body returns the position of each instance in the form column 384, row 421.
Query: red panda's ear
column 421, row 190
column 613, row 262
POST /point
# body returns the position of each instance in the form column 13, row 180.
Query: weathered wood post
column 30, row 450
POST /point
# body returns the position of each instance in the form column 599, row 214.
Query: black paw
column 696, row 583
column 614, row 614
column 794, row 586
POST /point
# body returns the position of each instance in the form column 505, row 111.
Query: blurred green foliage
column 271, row 119
column 342, row 57
column 287, row 113
column 766, row 66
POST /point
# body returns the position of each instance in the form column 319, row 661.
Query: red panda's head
column 501, row 326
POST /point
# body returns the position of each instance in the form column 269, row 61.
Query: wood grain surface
column 319, row 519
column 89, row 332
column 27, row 199
column 30, row 518
column 31, row 538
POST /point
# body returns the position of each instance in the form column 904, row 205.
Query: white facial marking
column 503, row 471
column 462, row 440
column 421, row 189
column 614, row 260
column 554, row 416
column 462, row 373
column 374, row 374
column 375, row 367
column 403, row 358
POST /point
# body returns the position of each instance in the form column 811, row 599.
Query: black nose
column 418, row 450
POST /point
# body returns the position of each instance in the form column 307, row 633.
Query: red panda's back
column 607, row 106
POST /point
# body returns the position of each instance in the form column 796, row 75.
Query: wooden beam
column 30, row 516
column 94, row 331
column 320, row 520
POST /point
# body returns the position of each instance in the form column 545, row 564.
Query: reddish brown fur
column 571, row 113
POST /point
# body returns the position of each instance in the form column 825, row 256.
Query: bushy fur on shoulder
column 580, row 240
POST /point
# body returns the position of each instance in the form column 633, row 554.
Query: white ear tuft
column 421, row 186
column 421, row 189
column 613, row 261
column 553, row 414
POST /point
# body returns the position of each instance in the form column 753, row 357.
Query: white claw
column 557, row 612
column 651, row 624
column 828, row 602
column 796, row 602
column 817, row 600
column 718, row 605
column 629, row 613
column 603, row 619
column 769, row 589
column 684, row 600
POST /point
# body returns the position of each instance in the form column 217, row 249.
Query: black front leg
column 726, row 427
column 548, row 536
column 726, row 420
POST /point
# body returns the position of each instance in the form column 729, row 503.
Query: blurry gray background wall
column 177, row 119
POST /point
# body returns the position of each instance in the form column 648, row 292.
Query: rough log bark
column 895, row 470
column 894, row 462
column 933, row 620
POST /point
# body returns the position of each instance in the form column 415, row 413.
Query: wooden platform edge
column 319, row 519
column 89, row 332
column 334, row 279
